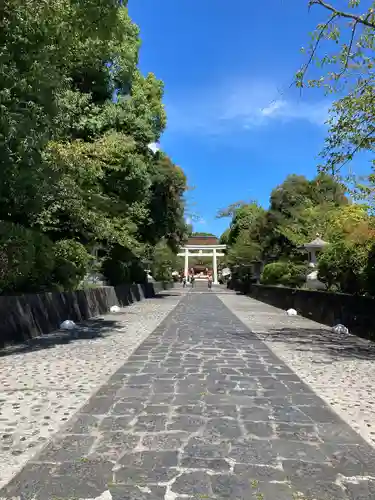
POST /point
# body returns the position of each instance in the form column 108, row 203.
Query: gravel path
column 339, row 368
column 42, row 385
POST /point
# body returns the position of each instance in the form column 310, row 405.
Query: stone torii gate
column 208, row 250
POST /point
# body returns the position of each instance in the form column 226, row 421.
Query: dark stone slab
column 165, row 440
column 110, row 446
column 150, row 459
column 98, row 405
column 145, row 476
column 297, row 432
column 254, row 452
column 28, row 482
column 206, row 464
column 238, row 487
column 259, row 429
column 80, row 479
column 122, row 492
column 151, row 423
column 69, row 448
column 195, row 483
column 83, row 424
column 363, row 490
column 188, row 423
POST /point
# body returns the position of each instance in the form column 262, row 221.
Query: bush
column 342, row 266
column 121, row 266
column 40, row 276
column 26, row 259
column 71, row 264
column 369, row 272
column 164, row 262
column 284, row 273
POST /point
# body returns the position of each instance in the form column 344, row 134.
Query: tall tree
column 76, row 123
column 242, row 236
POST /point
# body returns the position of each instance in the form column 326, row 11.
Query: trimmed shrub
column 284, row 273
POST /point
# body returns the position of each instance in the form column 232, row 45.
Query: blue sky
column 234, row 125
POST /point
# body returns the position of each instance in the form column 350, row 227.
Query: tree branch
column 317, row 41
column 347, row 58
column 347, row 15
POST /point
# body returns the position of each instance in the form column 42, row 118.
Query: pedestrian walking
column 209, row 283
column 192, row 280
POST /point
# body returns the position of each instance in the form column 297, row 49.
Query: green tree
column 342, row 266
column 43, row 44
column 242, row 236
column 298, row 209
column 202, row 233
column 244, row 251
column 224, row 237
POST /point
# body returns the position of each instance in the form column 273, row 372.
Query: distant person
column 184, row 282
column 192, row 280
column 209, row 282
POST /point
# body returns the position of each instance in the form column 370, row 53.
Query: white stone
column 115, row 309
column 68, row 324
column 340, row 329
column 291, row 312
column 106, row 495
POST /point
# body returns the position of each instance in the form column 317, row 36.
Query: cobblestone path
column 202, row 409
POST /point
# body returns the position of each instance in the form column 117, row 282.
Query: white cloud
column 201, row 221
column 273, row 108
column 315, row 113
column 196, row 221
column 241, row 105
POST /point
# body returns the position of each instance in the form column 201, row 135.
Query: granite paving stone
column 202, row 409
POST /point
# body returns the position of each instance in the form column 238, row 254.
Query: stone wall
column 355, row 312
column 26, row 316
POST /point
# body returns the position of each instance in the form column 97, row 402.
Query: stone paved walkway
column 202, row 409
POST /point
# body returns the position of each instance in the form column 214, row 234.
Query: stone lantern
column 314, row 248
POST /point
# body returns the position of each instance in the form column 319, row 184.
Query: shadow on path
column 86, row 330
column 333, row 344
